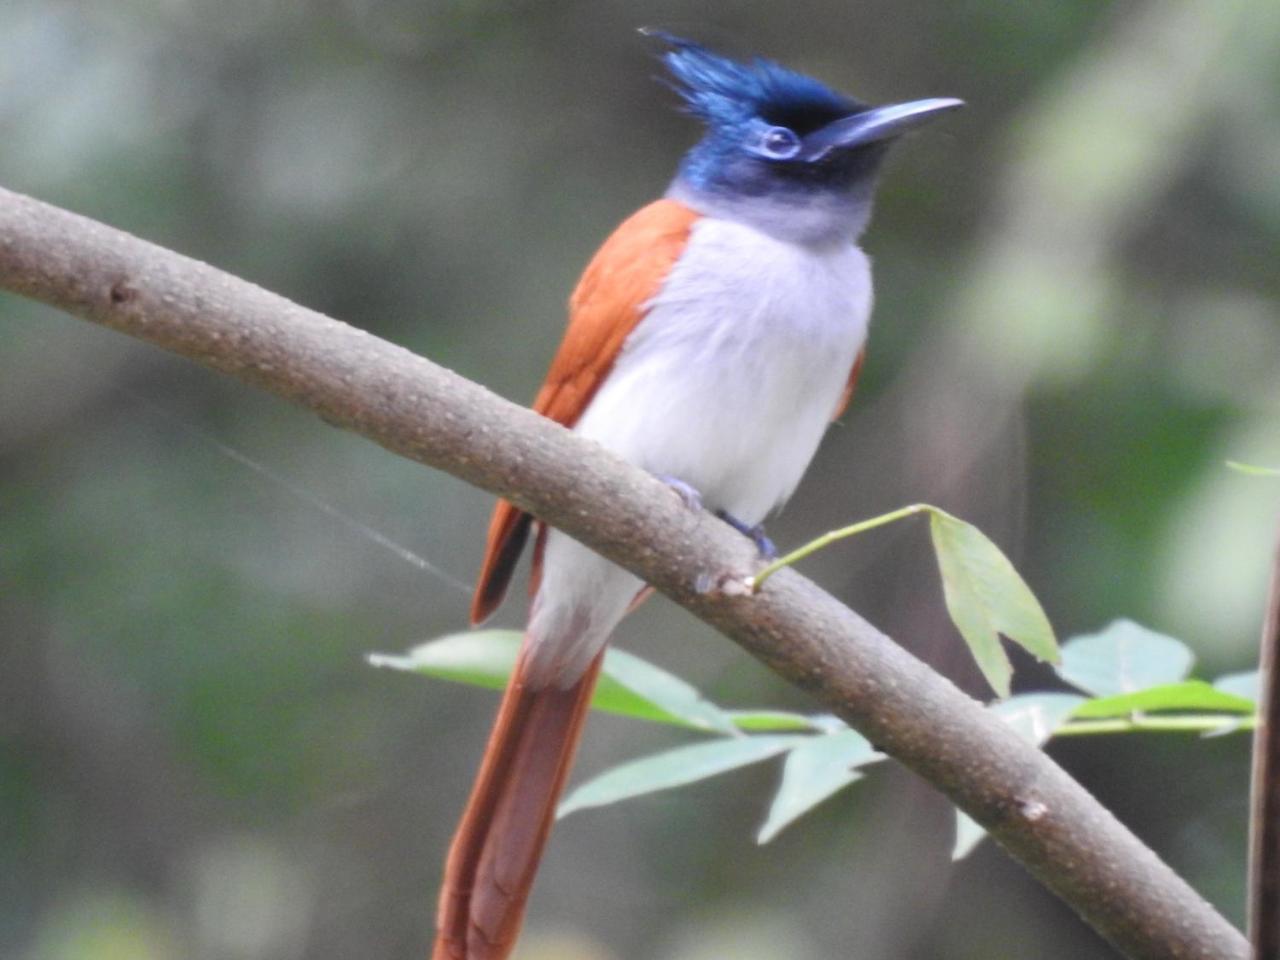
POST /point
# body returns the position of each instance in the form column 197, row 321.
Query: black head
column 782, row 139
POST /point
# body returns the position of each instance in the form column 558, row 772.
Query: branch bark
column 426, row 413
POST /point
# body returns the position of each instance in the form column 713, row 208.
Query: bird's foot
column 755, row 534
column 687, row 493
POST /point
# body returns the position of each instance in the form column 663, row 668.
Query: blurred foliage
column 1138, row 679
column 1076, row 326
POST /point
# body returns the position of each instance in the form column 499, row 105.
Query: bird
column 710, row 341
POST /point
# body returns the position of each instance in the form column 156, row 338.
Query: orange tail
column 499, row 842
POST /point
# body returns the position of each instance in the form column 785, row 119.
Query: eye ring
column 778, row 143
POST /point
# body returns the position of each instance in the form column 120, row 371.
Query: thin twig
column 419, row 410
column 834, row 536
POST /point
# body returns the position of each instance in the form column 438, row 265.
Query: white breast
column 728, row 384
column 730, row 380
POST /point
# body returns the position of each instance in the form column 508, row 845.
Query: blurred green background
column 1076, row 325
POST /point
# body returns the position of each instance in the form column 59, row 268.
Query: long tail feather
column 499, row 842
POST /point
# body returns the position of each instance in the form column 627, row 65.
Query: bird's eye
column 779, row 143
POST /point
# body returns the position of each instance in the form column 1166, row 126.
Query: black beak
column 873, row 125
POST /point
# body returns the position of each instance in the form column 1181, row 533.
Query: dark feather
column 725, row 92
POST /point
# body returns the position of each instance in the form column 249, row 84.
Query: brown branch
column 1264, row 813
column 421, row 411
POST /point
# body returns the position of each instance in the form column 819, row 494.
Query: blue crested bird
column 710, row 341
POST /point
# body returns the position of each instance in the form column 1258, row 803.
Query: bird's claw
column 687, row 493
column 692, row 499
column 755, row 534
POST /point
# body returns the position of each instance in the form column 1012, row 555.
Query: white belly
column 728, row 384
column 730, row 380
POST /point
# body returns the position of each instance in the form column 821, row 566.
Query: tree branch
column 426, row 413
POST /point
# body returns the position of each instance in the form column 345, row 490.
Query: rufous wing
column 850, row 385
column 608, row 302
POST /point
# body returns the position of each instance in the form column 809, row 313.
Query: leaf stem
column 1138, row 723
column 1253, row 470
column 813, row 546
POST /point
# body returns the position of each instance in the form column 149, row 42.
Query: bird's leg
column 687, row 493
column 693, row 500
column 729, row 583
column 755, row 534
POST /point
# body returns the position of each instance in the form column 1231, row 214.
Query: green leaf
column 814, row 771
column 986, row 598
column 1247, row 684
column 1251, row 470
column 764, row 721
column 1187, row 695
column 1035, row 717
column 673, row 768
column 984, row 594
column 1124, row 657
column 969, row 833
column 637, row 688
column 483, row 658
column 628, row 685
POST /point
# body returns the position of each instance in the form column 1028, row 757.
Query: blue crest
column 724, row 92
column 781, row 151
